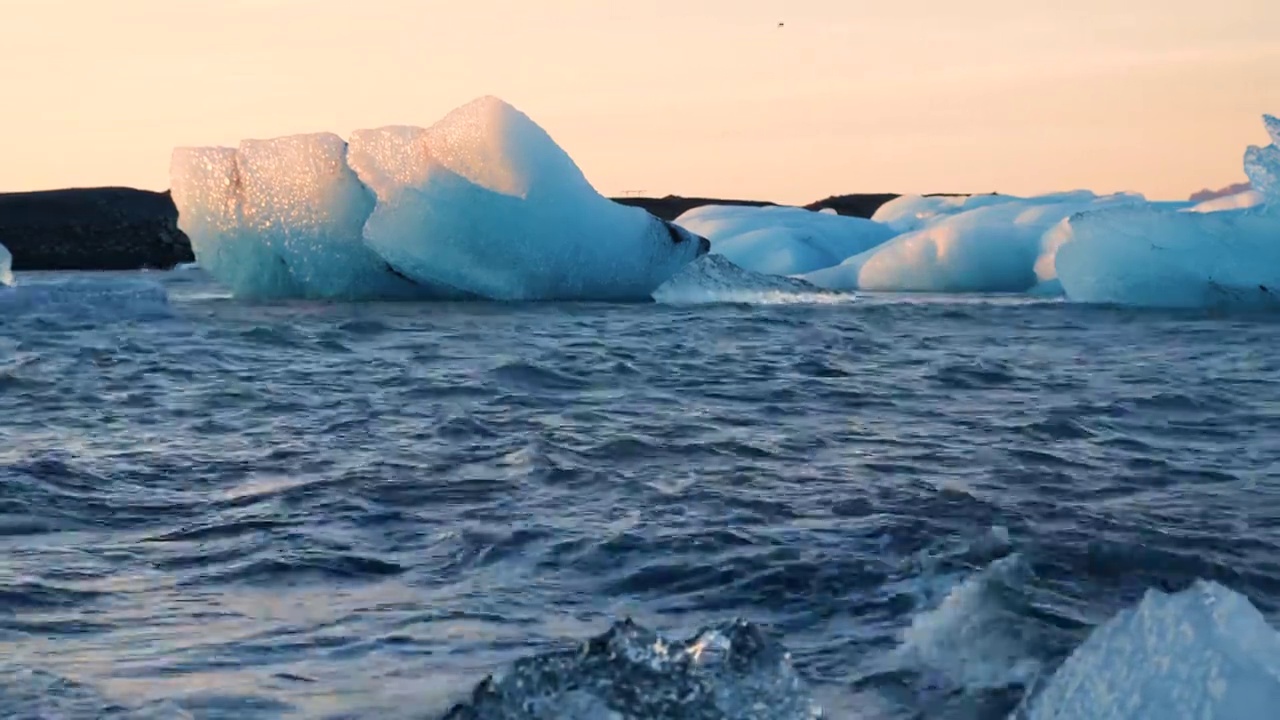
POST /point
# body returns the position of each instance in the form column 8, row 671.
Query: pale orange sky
column 705, row 97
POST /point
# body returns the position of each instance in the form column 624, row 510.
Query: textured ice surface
column 993, row 247
column 782, row 240
column 6, row 265
column 481, row 204
column 727, row 672
column 715, row 279
column 1262, row 164
column 281, row 218
column 1151, row 257
column 1204, row 653
column 484, row 201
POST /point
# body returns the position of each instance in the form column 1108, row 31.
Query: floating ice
column 714, row 279
column 281, row 218
column 6, row 264
column 977, row 637
column 992, row 247
column 727, row 672
column 1238, row 201
column 1225, row 253
column 782, row 240
column 1150, row 257
column 1204, row 653
column 482, row 204
column 1262, row 164
column 906, row 213
column 484, row 201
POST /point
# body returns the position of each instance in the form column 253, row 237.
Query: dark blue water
column 212, row 509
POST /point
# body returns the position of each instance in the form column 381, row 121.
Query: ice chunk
column 906, row 213
column 727, row 672
column 485, row 202
column 1237, row 201
column 1153, row 257
column 1262, row 164
column 715, row 279
column 782, row 240
column 1204, row 653
column 281, row 218
column 993, row 247
column 6, row 265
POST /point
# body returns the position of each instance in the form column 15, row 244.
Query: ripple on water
column 320, row 510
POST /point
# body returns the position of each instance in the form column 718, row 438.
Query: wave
column 715, row 279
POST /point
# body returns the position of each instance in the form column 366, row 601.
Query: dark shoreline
column 119, row 228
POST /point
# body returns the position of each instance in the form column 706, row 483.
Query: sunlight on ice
column 1204, row 653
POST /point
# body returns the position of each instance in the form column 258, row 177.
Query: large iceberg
column 1154, row 258
column 6, row 265
column 1204, row 653
column 1157, row 257
column 481, row 204
column 484, row 201
column 989, row 243
column 780, row 240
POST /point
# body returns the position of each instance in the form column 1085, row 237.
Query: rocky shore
column 115, row 228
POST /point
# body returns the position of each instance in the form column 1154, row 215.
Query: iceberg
column 1204, row 653
column 1236, row 201
column 1150, row 257
column 6, row 265
column 486, row 202
column 1155, row 256
column 782, row 240
column 907, row 213
column 281, row 218
column 993, row 246
column 483, row 204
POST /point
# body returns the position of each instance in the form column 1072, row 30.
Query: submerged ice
column 731, row 671
column 1204, row 653
column 481, row 204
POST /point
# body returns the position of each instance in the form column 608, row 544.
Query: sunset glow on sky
column 692, row 97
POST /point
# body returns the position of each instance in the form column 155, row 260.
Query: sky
column 690, row 97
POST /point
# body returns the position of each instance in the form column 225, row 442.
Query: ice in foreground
column 782, row 240
column 1204, row 653
column 727, row 672
column 6, row 265
column 482, row 204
